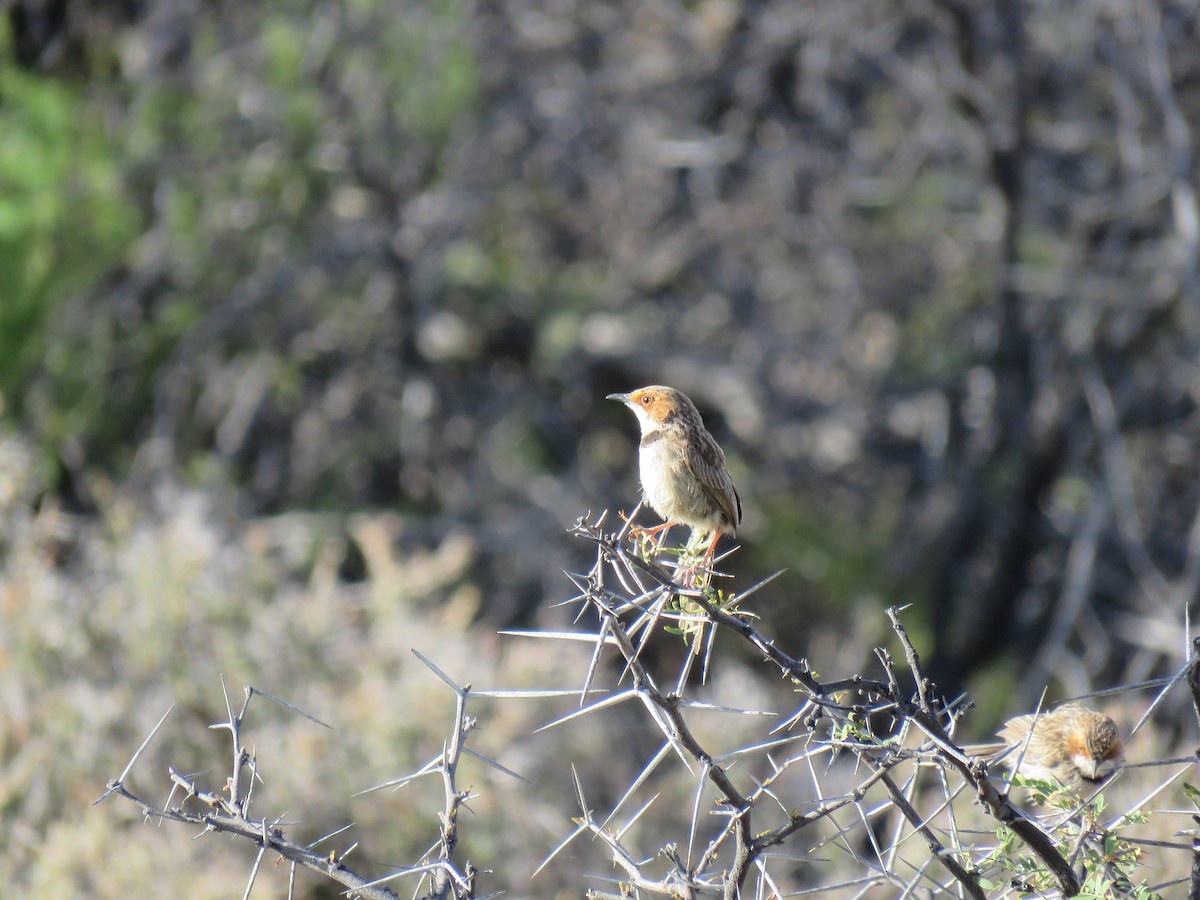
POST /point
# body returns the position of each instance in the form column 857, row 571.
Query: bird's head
column 1095, row 745
column 656, row 404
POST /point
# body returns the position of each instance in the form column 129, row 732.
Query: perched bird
column 683, row 472
column 1070, row 744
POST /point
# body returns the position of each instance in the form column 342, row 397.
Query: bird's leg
column 657, row 534
column 660, row 531
column 691, row 576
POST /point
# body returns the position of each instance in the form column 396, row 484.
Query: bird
column 1070, row 745
column 682, row 468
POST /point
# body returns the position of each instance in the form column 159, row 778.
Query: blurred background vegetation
column 308, row 311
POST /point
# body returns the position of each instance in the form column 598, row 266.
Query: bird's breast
column 670, row 486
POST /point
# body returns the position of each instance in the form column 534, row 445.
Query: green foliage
column 284, row 128
column 1110, row 862
column 65, row 221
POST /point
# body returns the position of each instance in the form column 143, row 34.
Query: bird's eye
column 646, row 400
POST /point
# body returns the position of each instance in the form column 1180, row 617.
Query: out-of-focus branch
column 1119, row 479
column 1178, row 144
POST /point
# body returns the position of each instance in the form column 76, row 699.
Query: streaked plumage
column 683, row 471
column 1070, row 744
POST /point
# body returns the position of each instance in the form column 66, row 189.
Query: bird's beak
column 620, row 398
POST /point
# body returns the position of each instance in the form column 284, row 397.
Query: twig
column 975, row 772
column 228, row 810
column 921, row 710
column 258, row 832
column 969, row 880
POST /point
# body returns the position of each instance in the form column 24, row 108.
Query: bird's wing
column 1015, row 730
column 707, row 462
column 989, row 751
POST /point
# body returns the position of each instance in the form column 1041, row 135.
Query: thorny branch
column 265, row 833
column 878, row 724
column 228, row 810
column 975, row 773
column 824, row 700
column 967, row 879
column 447, row 882
column 1192, row 676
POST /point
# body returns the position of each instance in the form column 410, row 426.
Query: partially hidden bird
column 1071, row 745
column 682, row 468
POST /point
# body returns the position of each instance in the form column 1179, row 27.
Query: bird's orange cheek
column 1077, row 746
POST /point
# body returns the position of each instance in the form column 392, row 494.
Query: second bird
column 1070, row 744
column 683, row 471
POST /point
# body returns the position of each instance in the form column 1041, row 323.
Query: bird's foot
column 649, row 540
